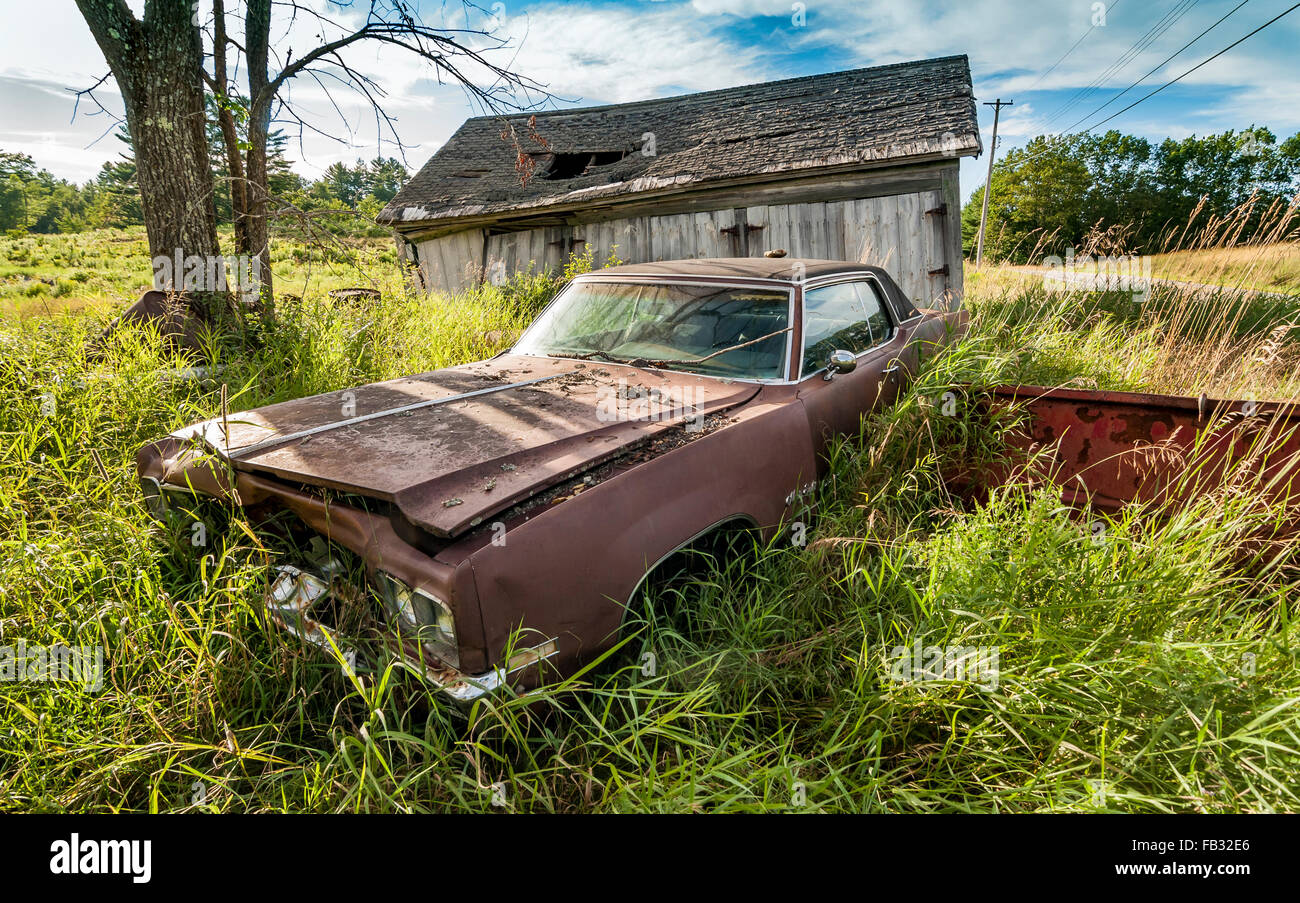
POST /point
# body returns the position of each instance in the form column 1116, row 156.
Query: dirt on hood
column 452, row 447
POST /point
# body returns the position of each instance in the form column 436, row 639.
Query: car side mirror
column 840, row 361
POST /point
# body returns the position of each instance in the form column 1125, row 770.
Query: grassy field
column 1123, row 677
column 104, row 271
column 1271, row 267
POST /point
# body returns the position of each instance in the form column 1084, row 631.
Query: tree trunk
column 259, row 234
column 257, row 34
column 157, row 63
column 238, row 181
column 229, row 133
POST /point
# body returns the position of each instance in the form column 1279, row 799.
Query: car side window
column 847, row 316
column 881, row 329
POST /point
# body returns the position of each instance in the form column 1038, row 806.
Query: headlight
column 420, row 613
column 154, row 502
column 162, row 498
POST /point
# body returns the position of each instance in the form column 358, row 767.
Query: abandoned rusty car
column 506, row 511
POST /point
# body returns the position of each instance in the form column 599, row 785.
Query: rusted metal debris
column 1111, row 449
column 355, row 295
column 169, row 312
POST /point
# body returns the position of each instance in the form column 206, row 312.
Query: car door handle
column 892, row 368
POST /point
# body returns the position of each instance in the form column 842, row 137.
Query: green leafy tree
column 1037, row 201
column 1054, row 193
column 34, row 200
column 16, row 171
column 387, row 175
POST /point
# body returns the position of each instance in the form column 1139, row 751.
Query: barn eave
column 646, row 188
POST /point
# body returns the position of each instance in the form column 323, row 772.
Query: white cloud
column 640, row 52
column 608, row 54
column 1020, row 121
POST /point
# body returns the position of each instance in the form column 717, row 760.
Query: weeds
column 1149, row 667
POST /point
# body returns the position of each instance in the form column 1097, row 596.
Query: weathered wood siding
column 914, row 232
column 453, row 262
column 894, row 232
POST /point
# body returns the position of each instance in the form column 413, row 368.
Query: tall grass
column 1219, row 317
column 1147, row 666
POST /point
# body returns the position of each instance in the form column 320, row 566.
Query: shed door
column 688, row 235
column 898, row 233
column 904, row 234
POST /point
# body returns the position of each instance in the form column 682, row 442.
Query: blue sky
column 622, row 50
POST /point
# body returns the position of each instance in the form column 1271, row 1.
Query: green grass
column 95, row 272
column 1176, row 340
column 1148, row 668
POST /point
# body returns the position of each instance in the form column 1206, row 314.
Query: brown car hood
column 452, row 447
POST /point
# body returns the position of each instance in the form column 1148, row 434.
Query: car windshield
column 711, row 329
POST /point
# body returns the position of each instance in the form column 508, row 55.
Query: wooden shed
column 857, row 165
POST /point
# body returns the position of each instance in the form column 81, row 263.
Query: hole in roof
column 570, row 166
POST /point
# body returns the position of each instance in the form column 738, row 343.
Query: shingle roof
column 882, row 113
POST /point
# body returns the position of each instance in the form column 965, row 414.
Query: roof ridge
column 650, row 101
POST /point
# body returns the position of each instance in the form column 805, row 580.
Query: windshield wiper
column 663, row 365
column 591, row 355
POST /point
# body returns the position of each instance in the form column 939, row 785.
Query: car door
column 897, row 345
column 848, row 315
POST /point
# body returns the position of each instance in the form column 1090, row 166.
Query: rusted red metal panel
column 1108, row 449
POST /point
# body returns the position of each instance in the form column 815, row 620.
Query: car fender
column 569, row 572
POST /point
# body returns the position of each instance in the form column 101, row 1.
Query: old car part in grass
column 1109, row 450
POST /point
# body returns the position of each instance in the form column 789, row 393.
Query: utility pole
column 988, row 182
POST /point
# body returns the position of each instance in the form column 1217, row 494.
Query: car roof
column 788, row 269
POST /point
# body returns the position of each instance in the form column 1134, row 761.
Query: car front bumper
column 295, row 594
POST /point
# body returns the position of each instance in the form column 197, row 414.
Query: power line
column 1167, row 21
column 1158, row 67
column 1052, row 68
column 1172, row 81
column 1197, row 66
column 1145, row 40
